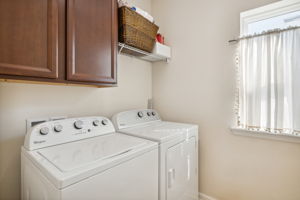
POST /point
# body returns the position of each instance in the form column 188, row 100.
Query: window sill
column 265, row 135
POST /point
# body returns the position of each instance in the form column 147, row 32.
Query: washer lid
column 160, row 131
column 75, row 155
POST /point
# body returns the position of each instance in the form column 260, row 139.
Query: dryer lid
column 70, row 156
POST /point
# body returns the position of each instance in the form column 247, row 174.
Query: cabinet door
column 29, row 38
column 92, row 40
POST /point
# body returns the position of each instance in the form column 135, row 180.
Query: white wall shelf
column 140, row 54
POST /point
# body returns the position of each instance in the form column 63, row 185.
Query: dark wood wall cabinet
column 59, row 41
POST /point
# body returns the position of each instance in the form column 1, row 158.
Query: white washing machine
column 85, row 159
column 178, row 151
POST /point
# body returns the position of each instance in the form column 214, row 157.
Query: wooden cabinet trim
column 114, row 42
column 53, row 41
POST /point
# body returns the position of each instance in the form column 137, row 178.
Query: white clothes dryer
column 178, row 150
column 83, row 158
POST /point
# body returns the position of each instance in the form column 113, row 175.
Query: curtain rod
column 263, row 33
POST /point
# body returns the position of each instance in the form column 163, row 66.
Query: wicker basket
column 135, row 30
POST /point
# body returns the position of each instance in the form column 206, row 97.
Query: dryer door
column 181, row 171
column 176, row 172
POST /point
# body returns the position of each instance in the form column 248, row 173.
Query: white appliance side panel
column 192, row 165
column 136, row 179
column 34, row 185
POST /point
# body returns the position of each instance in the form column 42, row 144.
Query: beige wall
column 197, row 86
column 21, row 101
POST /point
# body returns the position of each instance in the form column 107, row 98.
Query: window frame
column 265, row 12
column 254, row 15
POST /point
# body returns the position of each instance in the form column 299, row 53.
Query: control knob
column 44, row 131
column 78, row 124
column 104, row 122
column 96, row 122
column 149, row 113
column 140, row 114
column 58, row 128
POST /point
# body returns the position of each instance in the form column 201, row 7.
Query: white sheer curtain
column 269, row 83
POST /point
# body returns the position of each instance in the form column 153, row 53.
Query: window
column 282, row 21
column 277, row 15
column 268, row 97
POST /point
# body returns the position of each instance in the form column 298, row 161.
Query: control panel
column 133, row 118
column 67, row 130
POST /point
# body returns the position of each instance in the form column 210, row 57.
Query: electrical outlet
column 150, row 103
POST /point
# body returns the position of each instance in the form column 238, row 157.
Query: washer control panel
column 67, row 130
column 133, row 118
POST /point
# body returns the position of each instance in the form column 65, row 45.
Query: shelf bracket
column 122, row 46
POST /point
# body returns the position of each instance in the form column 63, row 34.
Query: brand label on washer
column 81, row 132
column 39, row 142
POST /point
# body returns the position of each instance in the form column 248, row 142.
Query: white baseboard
column 205, row 197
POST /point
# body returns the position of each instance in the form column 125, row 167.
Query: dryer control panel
column 133, row 118
column 67, row 130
